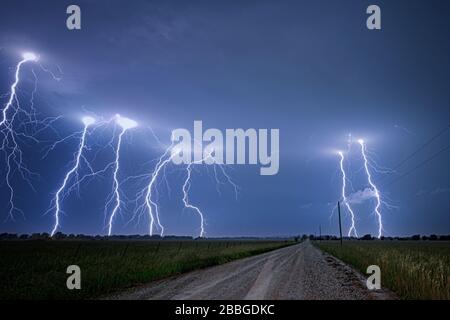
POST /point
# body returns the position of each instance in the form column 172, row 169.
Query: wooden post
column 340, row 225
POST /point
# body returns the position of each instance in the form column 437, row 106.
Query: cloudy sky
column 308, row 68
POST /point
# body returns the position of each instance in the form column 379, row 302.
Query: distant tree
column 23, row 237
column 8, row 236
column 415, row 237
column 433, row 237
column 59, row 235
column 39, row 236
column 366, row 237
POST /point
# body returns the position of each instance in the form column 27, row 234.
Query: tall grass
column 37, row 269
column 412, row 269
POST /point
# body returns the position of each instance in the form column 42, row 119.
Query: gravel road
column 296, row 272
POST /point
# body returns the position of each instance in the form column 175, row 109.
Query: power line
column 418, row 166
column 441, row 132
column 414, row 153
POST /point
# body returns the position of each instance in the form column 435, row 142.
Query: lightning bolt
column 27, row 57
column 125, row 125
column 13, row 134
column 148, row 195
column 88, row 121
column 149, row 202
column 373, row 186
column 344, row 197
column 73, row 179
column 9, row 144
column 186, row 187
column 15, row 126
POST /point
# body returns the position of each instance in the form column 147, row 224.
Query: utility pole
column 320, row 232
column 340, row 225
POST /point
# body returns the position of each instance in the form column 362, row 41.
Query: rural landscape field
column 412, row 269
column 263, row 269
column 225, row 157
column 37, row 269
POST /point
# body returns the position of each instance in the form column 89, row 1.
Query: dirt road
column 297, row 272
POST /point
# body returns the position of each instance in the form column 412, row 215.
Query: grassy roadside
column 412, row 269
column 37, row 269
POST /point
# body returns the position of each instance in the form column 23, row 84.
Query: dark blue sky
column 309, row 68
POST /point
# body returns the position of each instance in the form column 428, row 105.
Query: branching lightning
column 125, row 124
column 148, row 196
column 15, row 123
column 187, row 204
column 186, row 187
column 373, row 186
column 20, row 126
column 87, row 121
column 344, row 197
column 13, row 96
column 73, row 179
column 149, row 202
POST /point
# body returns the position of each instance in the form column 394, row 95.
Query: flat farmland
column 37, row 269
column 412, row 269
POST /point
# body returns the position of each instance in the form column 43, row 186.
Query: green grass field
column 37, row 269
column 412, row 269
